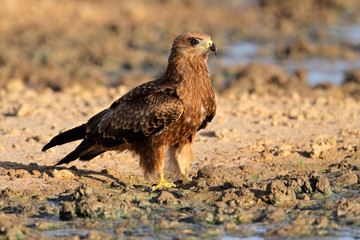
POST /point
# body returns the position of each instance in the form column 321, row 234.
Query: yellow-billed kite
column 157, row 116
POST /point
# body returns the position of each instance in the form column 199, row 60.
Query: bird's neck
column 182, row 68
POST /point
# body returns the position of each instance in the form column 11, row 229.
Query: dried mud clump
column 286, row 14
column 97, row 207
column 11, row 227
column 348, row 211
column 203, row 217
column 238, row 197
column 97, row 39
column 67, row 211
column 303, row 225
column 342, row 166
column 218, row 195
column 302, row 48
column 217, row 176
column 308, row 184
column 321, row 146
column 260, row 78
column 351, row 83
column 346, row 178
column 165, row 198
column 352, row 77
column 88, row 204
column 279, row 194
column 88, row 41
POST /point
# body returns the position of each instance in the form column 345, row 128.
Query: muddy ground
column 46, row 44
column 280, row 159
column 267, row 166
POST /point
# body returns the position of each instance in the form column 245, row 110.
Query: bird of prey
column 155, row 117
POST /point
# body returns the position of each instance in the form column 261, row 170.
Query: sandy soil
column 280, row 159
column 288, row 164
column 55, row 45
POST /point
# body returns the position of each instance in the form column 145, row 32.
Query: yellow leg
column 184, row 177
column 163, row 183
column 183, row 157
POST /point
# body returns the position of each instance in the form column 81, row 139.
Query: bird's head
column 193, row 44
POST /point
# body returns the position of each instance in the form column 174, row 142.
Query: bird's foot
column 163, row 184
column 185, row 179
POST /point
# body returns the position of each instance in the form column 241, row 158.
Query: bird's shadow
column 90, row 174
column 49, row 170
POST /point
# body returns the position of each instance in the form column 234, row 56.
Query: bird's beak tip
column 213, row 48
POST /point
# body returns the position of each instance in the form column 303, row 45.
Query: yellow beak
column 209, row 45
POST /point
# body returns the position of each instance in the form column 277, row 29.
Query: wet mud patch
column 219, row 201
column 267, row 166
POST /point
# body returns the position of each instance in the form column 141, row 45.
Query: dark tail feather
column 84, row 149
column 90, row 155
column 68, row 136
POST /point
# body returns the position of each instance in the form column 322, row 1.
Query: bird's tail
column 85, row 151
column 68, row 136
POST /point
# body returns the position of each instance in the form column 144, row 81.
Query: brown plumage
column 157, row 116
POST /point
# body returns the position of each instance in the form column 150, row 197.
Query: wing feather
column 134, row 119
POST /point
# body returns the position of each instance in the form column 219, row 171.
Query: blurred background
column 263, row 44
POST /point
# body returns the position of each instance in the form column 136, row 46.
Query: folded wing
column 133, row 120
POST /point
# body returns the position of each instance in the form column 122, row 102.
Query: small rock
column 22, row 111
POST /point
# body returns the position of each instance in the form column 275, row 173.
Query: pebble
column 22, row 111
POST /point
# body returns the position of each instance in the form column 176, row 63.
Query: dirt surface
column 46, row 44
column 266, row 166
column 280, row 159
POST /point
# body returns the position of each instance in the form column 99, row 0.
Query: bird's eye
column 194, row 41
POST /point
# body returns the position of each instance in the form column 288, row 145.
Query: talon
column 185, row 179
column 163, row 184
